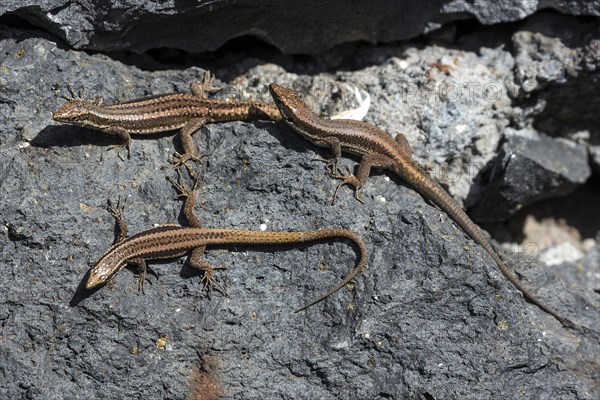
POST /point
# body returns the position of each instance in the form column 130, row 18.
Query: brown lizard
column 170, row 241
column 378, row 149
column 162, row 113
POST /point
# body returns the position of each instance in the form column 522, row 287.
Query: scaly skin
column 162, row 113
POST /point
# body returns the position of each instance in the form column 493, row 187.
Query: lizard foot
column 204, row 87
column 142, row 277
column 120, row 147
column 330, row 163
column 181, row 159
column 348, row 179
column 209, row 280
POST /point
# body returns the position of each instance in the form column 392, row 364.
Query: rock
column 530, row 167
column 564, row 252
column 431, row 317
column 582, row 272
column 556, row 73
column 291, row 26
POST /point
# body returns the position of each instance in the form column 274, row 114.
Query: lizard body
column 171, row 241
column 163, row 113
column 378, row 149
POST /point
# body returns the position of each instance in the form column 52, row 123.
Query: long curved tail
column 230, row 236
column 433, row 191
column 360, row 266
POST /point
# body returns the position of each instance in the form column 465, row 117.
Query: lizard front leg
column 125, row 136
column 367, row 162
column 118, row 213
column 205, row 87
column 334, row 145
column 189, row 197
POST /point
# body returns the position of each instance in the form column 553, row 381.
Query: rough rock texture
column 557, row 77
column 555, row 89
column 531, row 167
column 431, row 318
column 586, row 269
column 292, row 26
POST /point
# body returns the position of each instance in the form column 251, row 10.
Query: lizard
column 171, row 241
column 162, row 113
column 378, row 149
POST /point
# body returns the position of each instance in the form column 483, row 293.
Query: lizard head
column 289, row 104
column 75, row 111
column 103, row 270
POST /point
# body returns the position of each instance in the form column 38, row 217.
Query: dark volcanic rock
column 557, row 79
column 432, row 317
column 292, row 26
column 530, row 167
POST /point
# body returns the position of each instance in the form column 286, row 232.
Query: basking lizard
column 171, row 241
column 379, row 150
column 162, row 113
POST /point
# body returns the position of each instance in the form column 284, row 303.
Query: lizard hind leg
column 188, row 195
column 117, row 211
column 403, row 142
column 208, row 279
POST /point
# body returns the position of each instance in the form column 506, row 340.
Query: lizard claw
column 209, row 280
column 120, row 147
column 181, row 159
column 340, row 175
column 204, row 87
column 180, row 187
column 330, row 163
column 115, row 210
column 142, row 278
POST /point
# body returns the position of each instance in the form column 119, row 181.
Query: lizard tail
column 432, row 190
column 360, row 267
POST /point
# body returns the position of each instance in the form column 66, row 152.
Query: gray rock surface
column 555, row 88
column 432, row 317
column 584, row 271
column 557, row 76
column 531, row 167
column 308, row 27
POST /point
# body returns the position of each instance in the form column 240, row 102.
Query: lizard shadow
column 188, row 271
column 76, row 136
column 314, row 282
column 82, row 293
column 71, row 136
